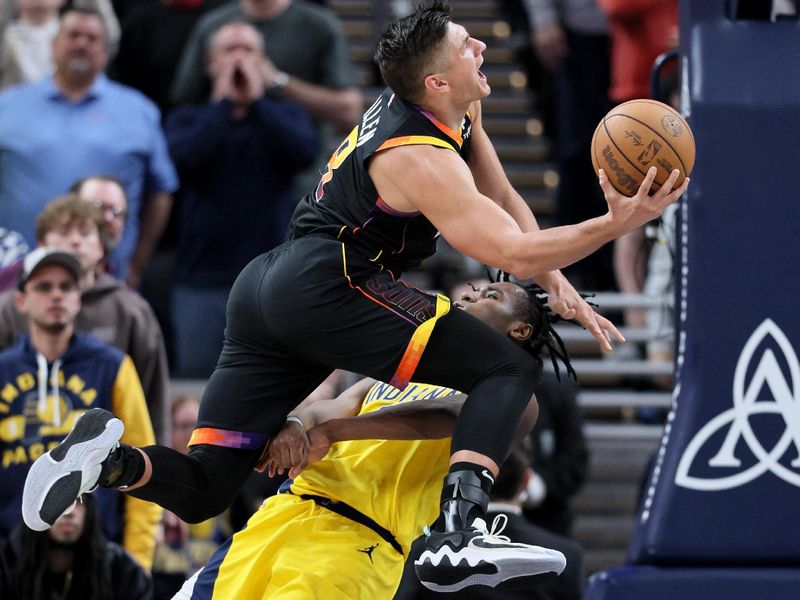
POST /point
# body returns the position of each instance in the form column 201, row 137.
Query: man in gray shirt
column 306, row 53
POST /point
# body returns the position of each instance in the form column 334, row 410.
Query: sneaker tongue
column 90, row 479
column 479, row 524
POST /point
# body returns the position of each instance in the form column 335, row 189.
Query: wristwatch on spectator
column 278, row 84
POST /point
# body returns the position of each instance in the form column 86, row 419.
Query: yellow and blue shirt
column 394, row 482
column 39, row 404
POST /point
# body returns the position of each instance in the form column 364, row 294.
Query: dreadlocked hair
column 90, row 579
column 539, row 314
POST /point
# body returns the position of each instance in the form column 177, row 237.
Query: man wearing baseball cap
column 110, row 311
column 43, row 257
column 51, row 377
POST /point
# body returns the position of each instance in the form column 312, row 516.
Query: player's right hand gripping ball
column 640, row 134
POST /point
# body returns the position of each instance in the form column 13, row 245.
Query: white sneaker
column 456, row 559
column 72, row 468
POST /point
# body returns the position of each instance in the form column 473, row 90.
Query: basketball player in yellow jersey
column 343, row 527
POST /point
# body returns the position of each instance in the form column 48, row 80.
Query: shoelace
column 498, row 525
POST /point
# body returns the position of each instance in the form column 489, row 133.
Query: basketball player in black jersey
column 419, row 164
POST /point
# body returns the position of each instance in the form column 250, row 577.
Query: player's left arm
column 427, row 419
column 492, row 181
column 419, row 420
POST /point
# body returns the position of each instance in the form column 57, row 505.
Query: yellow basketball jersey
column 395, row 482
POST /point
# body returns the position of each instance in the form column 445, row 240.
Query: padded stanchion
column 654, row 583
column 726, row 484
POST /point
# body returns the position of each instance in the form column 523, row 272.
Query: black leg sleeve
column 498, row 376
column 198, row 485
column 495, row 405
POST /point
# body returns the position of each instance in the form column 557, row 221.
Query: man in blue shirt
column 77, row 123
column 238, row 154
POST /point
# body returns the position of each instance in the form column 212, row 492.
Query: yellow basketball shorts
column 293, row 549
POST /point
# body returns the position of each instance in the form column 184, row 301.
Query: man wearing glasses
column 107, row 193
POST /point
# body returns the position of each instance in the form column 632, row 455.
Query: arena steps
column 607, row 531
column 605, row 508
column 607, row 499
column 595, row 561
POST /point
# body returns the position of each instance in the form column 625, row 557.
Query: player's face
column 495, row 304
column 465, row 57
column 51, row 298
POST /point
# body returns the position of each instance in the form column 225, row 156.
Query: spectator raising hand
column 239, row 154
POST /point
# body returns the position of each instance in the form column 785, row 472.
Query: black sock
column 124, row 466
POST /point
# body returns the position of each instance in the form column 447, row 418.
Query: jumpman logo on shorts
column 368, row 551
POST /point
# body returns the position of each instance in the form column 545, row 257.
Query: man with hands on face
column 306, row 58
column 238, row 155
column 239, row 73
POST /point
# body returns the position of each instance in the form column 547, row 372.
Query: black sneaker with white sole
column 72, row 468
column 476, row 556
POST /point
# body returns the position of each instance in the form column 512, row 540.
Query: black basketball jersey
column 345, row 203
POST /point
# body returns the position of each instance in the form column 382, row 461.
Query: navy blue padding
column 654, row 583
column 743, row 282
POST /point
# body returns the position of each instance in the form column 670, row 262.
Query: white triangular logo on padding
column 785, row 402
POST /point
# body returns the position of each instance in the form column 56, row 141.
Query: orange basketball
column 640, row 134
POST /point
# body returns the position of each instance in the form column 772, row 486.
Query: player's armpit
column 438, row 183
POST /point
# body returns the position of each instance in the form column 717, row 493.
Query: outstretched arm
column 439, row 184
column 419, row 420
column 422, row 419
column 329, row 421
column 290, row 446
column 491, row 181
